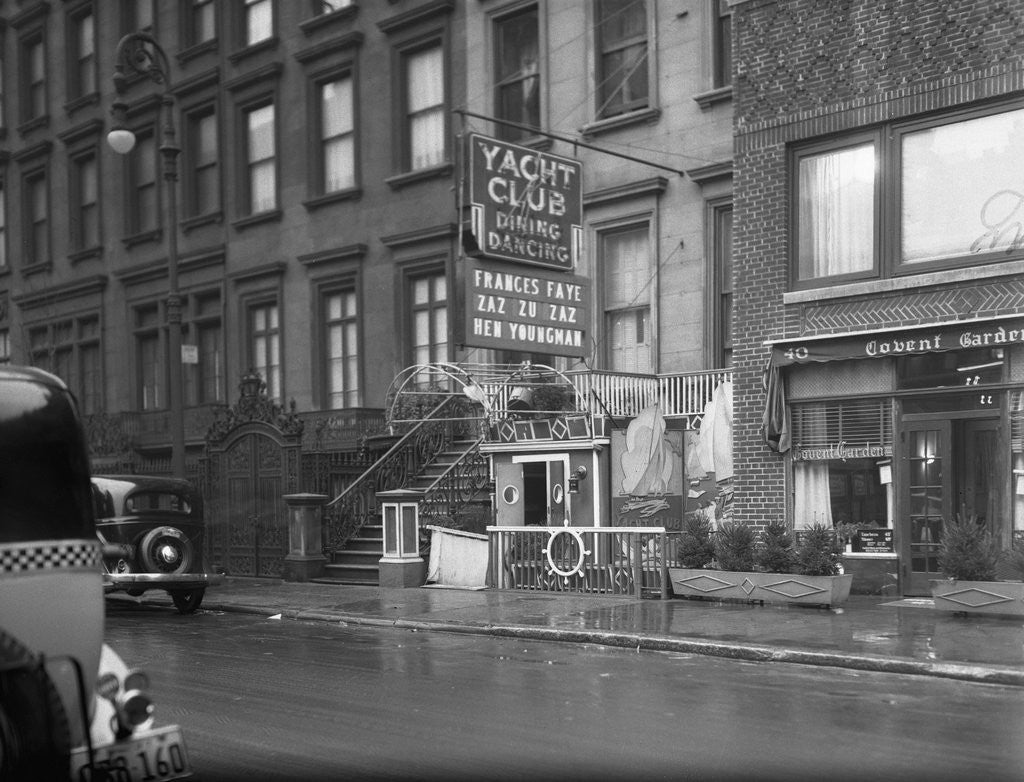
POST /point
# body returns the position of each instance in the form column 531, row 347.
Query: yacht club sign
column 526, row 205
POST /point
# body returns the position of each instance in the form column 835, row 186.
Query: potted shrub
column 979, row 577
column 768, row 568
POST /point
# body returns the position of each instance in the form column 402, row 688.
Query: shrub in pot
column 979, row 577
column 696, row 549
column 818, row 551
column 967, row 551
column 775, row 553
column 734, row 547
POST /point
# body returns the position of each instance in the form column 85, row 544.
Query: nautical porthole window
column 557, row 493
column 510, row 494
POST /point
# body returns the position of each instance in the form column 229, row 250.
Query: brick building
column 878, row 263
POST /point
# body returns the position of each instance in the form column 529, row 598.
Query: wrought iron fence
column 461, row 483
column 596, row 560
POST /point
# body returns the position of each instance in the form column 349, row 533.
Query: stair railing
column 356, row 505
column 461, row 483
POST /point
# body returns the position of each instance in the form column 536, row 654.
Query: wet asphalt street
column 289, row 700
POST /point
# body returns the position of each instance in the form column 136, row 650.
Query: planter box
column 979, row 597
column 761, row 587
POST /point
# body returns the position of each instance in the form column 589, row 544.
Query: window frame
column 635, row 223
column 318, row 142
column 721, row 299
column 437, row 39
column 78, row 207
column 145, row 134
column 721, row 44
column 192, row 116
column 508, row 132
column 30, row 177
column 245, row 7
column 410, row 277
column 82, row 68
column 246, row 190
column 29, row 85
column 273, row 334
column 649, row 102
column 68, row 337
column 191, row 11
column 888, row 230
column 343, row 286
column 204, row 311
column 145, row 333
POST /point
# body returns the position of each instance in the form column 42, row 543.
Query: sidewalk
column 867, row 633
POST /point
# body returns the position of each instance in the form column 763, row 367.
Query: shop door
column 926, row 501
column 953, row 469
column 531, row 490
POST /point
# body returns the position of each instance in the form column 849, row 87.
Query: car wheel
column 35, row 740
column 165, row 550
column 187, row 600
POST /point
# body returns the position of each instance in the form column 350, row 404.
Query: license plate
column 152, row 756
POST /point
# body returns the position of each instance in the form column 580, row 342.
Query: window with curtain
column 37, row 219
column 203, row 183
column 342, row 342
column 262, row 160
column 337, row 135
column 626, row 264
column 265, row 346
column 85, row 233
column 722, row 241
column 836, row 212
column 428, row 305
column 517, row 73
column 144, row 208
column 622, row 57
column 259, row 21
column 425, row 108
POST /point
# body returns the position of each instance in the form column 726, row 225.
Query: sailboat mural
column 647, row 473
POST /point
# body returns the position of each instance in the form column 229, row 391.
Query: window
column 625, row 256
column 5, row 346
column 3, row 224
column 85, row 216
column 70, row 349
column 337, row 135
column 424, row 82
column 137, row 15
column 143, row 210
column 259, row 21
column 265, row 346
column 622, row 61
column 721, row 46
column 204, row 381
column 342, row 338
column 261, row 159
column 722, row 275
column 517, row 73
column 202, row 175
column 3, row 89
column 428, row 339
column 321, row 7
column 147, row 357
column 81, row 54
column 33, row 78
column 917, row 196
column 37, row 219
column 200, row 22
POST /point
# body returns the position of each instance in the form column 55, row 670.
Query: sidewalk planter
column 979, row 597
column 761, row 587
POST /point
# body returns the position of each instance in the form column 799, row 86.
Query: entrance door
column 531, row 490
column 952, row 470
column 926, row 501
column 256, row 516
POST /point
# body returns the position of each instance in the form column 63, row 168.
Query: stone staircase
column 358, row 561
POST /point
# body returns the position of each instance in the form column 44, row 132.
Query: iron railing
column 622, row 395
column 461, row 483
column 596, row 560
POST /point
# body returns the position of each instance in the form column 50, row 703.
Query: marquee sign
column 507, row 308
column 526, row 205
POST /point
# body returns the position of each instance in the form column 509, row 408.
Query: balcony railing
column 596, row 560
column 623, row 395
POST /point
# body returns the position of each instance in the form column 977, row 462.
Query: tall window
column 82, row 55
column 428, row 297
column 517, row 73
column 259, row 21
column 70, row 349
column 722, row 253
column 721, row 43
column 262, row 162
column 33, row 78
column 3, row 224
column 137, row 15
column 201, row 21
column 424, row 108
column 622, row 61
column 85, row 223
column 147, row 358
column 321, row 7
column 37, row 219
column 5, row 346
column 143, row 211
column 265, row 346
column 627, row 275
column 204, row 381
column 342, row 337
column 203, row 179
column 337, row 135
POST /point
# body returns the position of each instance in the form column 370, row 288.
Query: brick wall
column 806, row 69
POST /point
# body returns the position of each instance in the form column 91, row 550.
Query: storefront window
column 976, row 367
column 842, row 491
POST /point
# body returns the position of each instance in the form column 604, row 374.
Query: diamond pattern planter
column 761, row 587
column 979, row 597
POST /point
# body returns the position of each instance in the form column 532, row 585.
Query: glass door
column 926, row 500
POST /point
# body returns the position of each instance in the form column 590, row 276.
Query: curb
column 736, row 651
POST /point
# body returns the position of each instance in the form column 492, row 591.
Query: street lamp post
column 138, row 54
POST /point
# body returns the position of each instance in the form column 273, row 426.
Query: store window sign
column 841, row 451
column 900, row 343
column 526, row 206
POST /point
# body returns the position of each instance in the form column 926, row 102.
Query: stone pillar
column 305, row 559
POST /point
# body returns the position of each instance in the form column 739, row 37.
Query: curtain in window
column 836, row 212
column 425, row 95
column 812, row 501
column 263, row 184
column 337, row 134
column 626, row 259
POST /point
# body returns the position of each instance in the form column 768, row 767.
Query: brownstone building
column 879, row 294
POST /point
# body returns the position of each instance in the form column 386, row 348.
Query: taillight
column 130, row 699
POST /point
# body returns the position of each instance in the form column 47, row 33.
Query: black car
column 152, row 530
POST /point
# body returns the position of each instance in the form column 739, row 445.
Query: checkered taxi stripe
column 49, row 555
